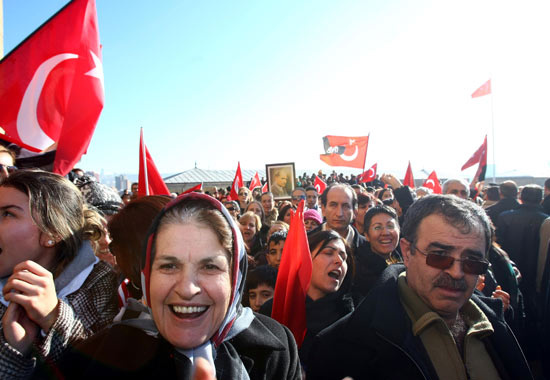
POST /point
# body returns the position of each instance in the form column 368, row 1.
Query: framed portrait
column 280, row 179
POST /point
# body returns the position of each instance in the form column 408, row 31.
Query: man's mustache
column 446, row 281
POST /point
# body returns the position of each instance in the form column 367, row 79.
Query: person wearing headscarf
column 193, row 276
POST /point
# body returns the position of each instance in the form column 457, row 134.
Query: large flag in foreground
column 51, row 86
column 432, row 182
column 484, row 89
column 409, row 179
column 480, row 158
column 345, row 151
column 289, row 300
column 237, row 184
column 368, row 175
column 150, row 181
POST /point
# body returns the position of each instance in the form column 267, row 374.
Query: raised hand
column 31, row 286
column 19, row 330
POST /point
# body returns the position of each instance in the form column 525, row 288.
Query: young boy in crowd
column 260, row 286
column 275, row 246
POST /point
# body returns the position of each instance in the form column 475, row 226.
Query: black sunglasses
column 469, row 266
column 299, row 197
column 10, row 169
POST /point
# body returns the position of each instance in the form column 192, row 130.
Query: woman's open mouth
column 188, row 312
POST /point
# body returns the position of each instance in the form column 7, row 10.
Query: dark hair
column 462, row 214
column 373, row 211
column 363, row 199
column 262, row 274
column 492, row 193
column 547, row 183
column 322, row 238
column 381, row 193
column 531, row 194
column 284, row 210
column 59, row 210
column 343, row 186
column 311, row 188
column 508, row 189
column 276, row 237
column 299, row 189
column 128, row 230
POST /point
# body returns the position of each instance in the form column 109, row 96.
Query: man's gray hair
column 462, row 214
column 448, row 182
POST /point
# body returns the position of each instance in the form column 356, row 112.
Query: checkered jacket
column 85, row 312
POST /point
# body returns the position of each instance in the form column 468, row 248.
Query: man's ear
column 405, row 251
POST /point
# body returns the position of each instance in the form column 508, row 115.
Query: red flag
column 194, row 188
column 479, row 157
column 237, row 184
column 368, row 175
column 255, row 182
column 485, row 89
column 264, row 188
column 409, row 180
column 289, row 300
column 149, row 181
column 345, row 151
column 432, row 182
column 319, row 185
column 51, row 86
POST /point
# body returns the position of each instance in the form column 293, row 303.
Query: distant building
column 122, row 182
column 180, row 182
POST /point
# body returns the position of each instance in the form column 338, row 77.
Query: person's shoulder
column 266, row 332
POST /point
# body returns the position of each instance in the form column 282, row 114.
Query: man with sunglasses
column 422, row 320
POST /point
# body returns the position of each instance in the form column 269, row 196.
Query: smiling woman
column 193, row 271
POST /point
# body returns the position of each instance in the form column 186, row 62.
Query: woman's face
column 243, row 195
column 287, row 216
column 383, row 234
column 329, row 268
column 20, row 238
column 255, row 208
column 311, row 224
column 248, row 228
column 388, row 194
column 190, row 285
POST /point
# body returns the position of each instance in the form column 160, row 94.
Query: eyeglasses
column 469, row 266
column 298, row 198
column 244, row 193
column 10, row 169
column 230, row 208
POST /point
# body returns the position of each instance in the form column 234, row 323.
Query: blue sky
column 215, row 82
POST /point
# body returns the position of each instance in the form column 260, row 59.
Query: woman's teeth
column 189, row 309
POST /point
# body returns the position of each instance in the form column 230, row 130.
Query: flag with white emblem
column 51, row 86
column 345, row 151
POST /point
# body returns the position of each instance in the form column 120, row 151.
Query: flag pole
column 366, row 152
column 493, row 132
column 144, row 163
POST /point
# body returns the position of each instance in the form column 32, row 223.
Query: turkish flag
column 432, row 182
column 255, row 182
column 409, row 180
column 479, row 157
column 368, row 175
column 237, row 184
column 264, row 188
column 149, row 181
column 51, row 86
column 485, row 89
column 345, row 151
column 194, row 188
column 319, row 185
column 293, row 278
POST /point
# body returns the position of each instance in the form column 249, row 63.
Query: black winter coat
column 267, row 350
column 376, row 341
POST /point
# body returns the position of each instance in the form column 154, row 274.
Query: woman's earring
column 49, row 243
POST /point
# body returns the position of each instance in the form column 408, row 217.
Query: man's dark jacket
column 505, row 204
column 376, row 341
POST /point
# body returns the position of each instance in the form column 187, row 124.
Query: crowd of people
column 404, row 283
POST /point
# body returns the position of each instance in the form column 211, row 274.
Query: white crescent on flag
column 318, row 188
column 430, row 181
column 28, row 128
column 369, row 175
column 352, row 157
